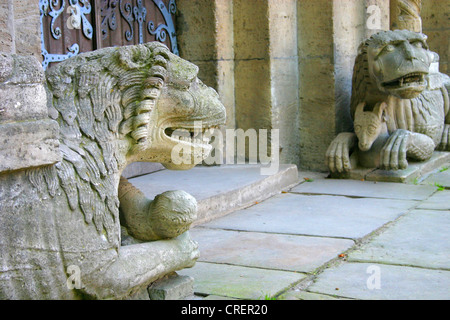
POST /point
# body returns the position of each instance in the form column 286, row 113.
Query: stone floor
column 322, row 238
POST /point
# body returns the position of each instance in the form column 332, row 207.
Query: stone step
column 220, row 190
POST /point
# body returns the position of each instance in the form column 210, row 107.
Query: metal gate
column 69, row 27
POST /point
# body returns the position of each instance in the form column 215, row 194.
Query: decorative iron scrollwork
column 138, row 13
column 126, row 11
column 44, row 6
column 162, row 30
column 85, row 9
column 77, row 9
column 108, row 15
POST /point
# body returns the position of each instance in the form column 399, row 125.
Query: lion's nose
column 409, row 51
column 364, row 147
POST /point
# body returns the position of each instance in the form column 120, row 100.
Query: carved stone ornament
column 60, row 224
column 405, row 14
column 399, row 103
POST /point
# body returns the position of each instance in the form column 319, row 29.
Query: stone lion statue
column 399, row 105
column 113, row 106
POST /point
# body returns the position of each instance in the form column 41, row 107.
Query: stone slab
column 350, row 280
column 267, row 250
column 172, row 287
column 215, row 297
column 303, row 295
column 438, row 201
column 420, row 238
column 219, row 189
column 239, row 282
column 441, row 177
column 29, row 144
column 354, row 188
column 316, row 215
column 17, row 69
column 136, row 169
column 22, row 102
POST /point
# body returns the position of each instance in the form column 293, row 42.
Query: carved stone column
column 405, row 14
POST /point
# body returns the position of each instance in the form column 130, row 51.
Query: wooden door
column 69, row 27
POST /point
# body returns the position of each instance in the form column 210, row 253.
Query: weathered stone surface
column 405, row 14
column 28, row 144
column 432, row 14
column 6, row 66
column 136, row 169
column 269, row 251
column 416, row 171
column 26, row 70
column 19, row 103
column 419, row 239
column 28, row 138
column 303, row 295
column 311, row 215
column 172, row 287
column 244, row 185
column 438, row 201
column 368, row 189
column 440, row 178
column 350, row 280
column 239, row 282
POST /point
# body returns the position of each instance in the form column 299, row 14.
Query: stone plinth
column 28, row 138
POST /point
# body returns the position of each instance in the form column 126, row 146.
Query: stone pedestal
column 172, row 287
column 28, row 138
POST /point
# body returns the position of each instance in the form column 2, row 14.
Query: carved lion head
column 142, row 94
column 399, row 62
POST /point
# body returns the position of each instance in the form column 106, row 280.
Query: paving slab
column 441, row 178
column 267, row 250
column 315, row 215
column 372, row 189
column 357, row 281
column 219, row 189
column 419, row 238
column 239, row 282
column 303, row 295
column 438, row 201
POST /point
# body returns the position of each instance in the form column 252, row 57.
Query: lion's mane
column 99, row 98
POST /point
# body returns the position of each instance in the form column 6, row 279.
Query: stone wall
column 436, row 25
column 246, row 50
column 266, row 71
column 20, row 27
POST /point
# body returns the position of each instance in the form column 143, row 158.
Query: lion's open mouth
column 194, row 135
column 414, row 79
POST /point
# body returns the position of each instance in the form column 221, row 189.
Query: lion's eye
column 390, row 48
column 417, row 44
column 357, row 129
